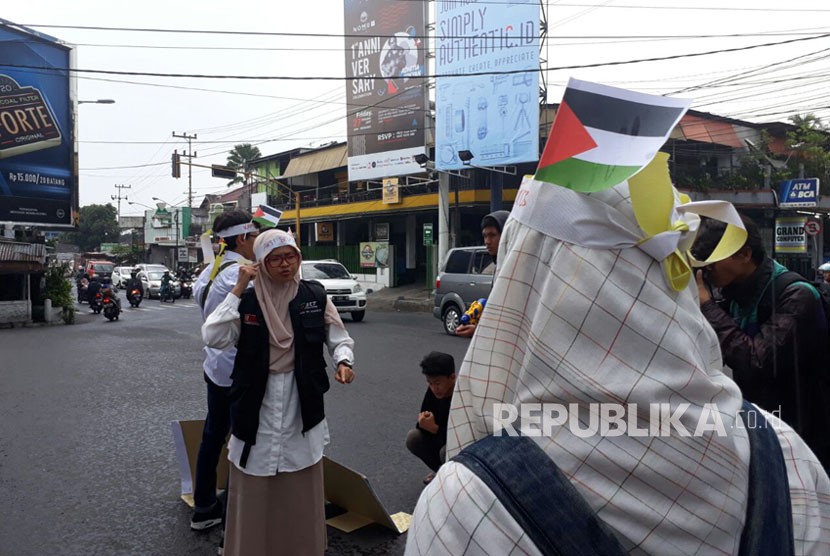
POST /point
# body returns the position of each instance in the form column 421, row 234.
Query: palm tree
column 239, row 157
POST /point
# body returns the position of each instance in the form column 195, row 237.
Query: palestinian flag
column 267, row 217
column 604, row 135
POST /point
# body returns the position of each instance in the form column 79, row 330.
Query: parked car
column 102, row 269
column 345, row 293
column 120, row 275
column 151, row 282
column 467, row 275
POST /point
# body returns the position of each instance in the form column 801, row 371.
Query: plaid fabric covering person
column 567, row 324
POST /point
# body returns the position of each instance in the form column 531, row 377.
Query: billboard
column 38, row 155
column 484, row 108
column 385, row 87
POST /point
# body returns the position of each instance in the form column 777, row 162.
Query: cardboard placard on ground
column 187, row 436
column 344, row 487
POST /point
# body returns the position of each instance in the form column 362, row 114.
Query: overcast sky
column 130, row 142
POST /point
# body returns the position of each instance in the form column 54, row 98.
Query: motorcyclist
column 134, row 284
column 166, row 285
column 93, row 287
column 183, row 274
column 107, row 293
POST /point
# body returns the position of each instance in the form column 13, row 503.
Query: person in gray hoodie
column 491, row 227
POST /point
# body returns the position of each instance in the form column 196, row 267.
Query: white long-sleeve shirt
column 280, row 445
column 218, row 363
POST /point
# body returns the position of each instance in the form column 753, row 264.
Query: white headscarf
column 274, row 297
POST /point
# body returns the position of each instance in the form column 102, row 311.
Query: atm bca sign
column 798, row 193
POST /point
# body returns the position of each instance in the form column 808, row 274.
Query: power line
column 434, row 76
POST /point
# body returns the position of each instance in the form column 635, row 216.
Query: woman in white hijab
column 275, row 496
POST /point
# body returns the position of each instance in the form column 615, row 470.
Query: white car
column 345, row 293
column 120, row 275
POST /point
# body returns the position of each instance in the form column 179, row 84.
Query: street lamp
column 99, row 101
column 176, row 218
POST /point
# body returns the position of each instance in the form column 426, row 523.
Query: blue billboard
column 38, row 156
column 800, row 193
column 484, row 102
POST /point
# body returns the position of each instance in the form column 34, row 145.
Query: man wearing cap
column 214, row 283
column 491, row 227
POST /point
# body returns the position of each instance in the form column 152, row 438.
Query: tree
column 98, row 224
column 809, row 143
column 239, row 157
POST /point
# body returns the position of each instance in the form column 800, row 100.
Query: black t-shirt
column 440, row 409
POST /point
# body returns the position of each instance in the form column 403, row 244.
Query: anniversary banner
column 38, row 160
column 385, row 89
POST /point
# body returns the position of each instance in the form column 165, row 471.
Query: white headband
column 238, row 230
column 279, row 239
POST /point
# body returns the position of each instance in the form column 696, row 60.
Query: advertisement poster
column 385, row 87
column 790, row 235
column 374, row 254
column 38, row 155
column 495, row 117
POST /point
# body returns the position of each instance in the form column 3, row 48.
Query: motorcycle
column 134, row 297
column 97, row 303
column 187, row 289
column 111, row 309
column 167, row 293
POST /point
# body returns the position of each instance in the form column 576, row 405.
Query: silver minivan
column 467, row 275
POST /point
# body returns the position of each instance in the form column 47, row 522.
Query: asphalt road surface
column 87, row 464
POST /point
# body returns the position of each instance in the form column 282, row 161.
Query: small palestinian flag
column 267, row 217
column 603, row 135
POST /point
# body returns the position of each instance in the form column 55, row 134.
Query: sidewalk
column 408, row 298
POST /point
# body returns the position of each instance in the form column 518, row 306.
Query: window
column 483, row 263
column 325, row 271
column 458, row 262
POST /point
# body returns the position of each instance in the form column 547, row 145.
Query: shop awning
column 317, row 161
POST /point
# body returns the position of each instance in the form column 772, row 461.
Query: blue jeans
column 217, row 426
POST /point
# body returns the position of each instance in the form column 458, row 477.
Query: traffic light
column 219, row 171
column 177, row 165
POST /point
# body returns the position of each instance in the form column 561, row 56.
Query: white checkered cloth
column 567, row 324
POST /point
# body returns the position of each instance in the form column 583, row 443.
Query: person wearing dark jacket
column 280, row 326
column 775, row 342
column 491, row 227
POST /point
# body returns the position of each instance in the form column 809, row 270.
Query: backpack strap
column 768, row 530
column 214, row 273
column 539, row 497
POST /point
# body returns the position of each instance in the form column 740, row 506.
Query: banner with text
column 385, row 87
column 790, row 235
column 491, row 111
column 38, row 158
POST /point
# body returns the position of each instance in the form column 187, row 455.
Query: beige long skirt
column 279, row 515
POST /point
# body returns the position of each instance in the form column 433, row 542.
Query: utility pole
column 118, row 198
column 190, row 155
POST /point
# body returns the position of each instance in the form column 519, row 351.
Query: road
column 87, row 464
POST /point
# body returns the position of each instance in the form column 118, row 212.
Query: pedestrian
column 571, row 331
column 275, row 499
column 773, row 335
column 238, row 233
column 491, row 227
column 428, row 439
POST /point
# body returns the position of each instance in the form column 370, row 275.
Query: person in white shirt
column 214, row 282
column 275, row 499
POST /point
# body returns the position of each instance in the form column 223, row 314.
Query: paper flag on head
column 267, row 217
column 604, row 135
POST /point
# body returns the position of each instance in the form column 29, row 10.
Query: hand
column 247, row 273
column 426, row 420
column 702, row 290
column 344, row 374
column 465, row 330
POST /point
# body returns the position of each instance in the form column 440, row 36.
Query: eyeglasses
column 277, row 260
